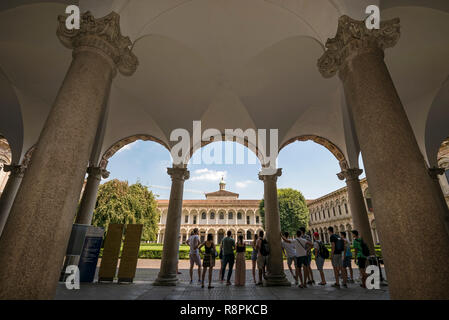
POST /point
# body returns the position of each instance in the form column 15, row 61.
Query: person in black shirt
column 338, row 248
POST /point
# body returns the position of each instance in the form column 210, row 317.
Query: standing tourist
column 194, row 243
column 321, row 254
column 227, row 247
column 240, row 263
column 254, row 257
column 309, row 256
column 179, row 246
column 209, row 258
column 347, row 259
column 338, row 248
column 261, row 256
column 289, row 250
column 301, row 256
column 361, row 252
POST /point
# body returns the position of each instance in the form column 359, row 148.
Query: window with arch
column 203, row 216
column 333, row 210
column 212, row 215
column 339, row 209
column 221, row 216
column 230, row 215
column 186, row 219
column 328, row 213
column 346, row 207
column 194, row 219
column 239, row 216
column 257, row 219
column 248, row 220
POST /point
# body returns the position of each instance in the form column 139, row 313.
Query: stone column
column 89, row 199
column 16, row 173
column 34, row 240
column 357, row 202
column 434, row 173
column 402, row 191
column 167, row 275
column 275, row 266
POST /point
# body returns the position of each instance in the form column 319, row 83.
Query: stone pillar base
column 279, row 280
column 166, row 281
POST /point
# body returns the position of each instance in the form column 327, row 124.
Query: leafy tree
column 293, row 210
column 117, row 202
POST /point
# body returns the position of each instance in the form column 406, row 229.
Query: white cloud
column 208, row 175
column 244, row 184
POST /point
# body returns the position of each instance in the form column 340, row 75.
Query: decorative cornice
column 353, row 38
column 16, row 170
column 102, row 34
column 271, row 177
column 350, row 174
column 178, row 173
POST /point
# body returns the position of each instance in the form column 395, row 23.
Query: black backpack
column 339, row 245
column 264, row 249
column 365, row 249
column 322, row 251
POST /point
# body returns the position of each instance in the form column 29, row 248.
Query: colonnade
column 35, row 237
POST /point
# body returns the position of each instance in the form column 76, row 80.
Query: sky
column 306, row 166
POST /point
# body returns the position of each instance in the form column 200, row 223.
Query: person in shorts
column 337, row 258
column 360, row 257
column 347, row 258
column 319, row 260
column 304, row 235
column 194, row 255
column 289, row 250
column 301, row 245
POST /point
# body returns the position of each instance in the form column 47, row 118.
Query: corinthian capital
column 271, row 177
column 102, row 34
column 350, row 174
column 16, row 170
column 98, row 172
column 178, row 173
column 353, row 38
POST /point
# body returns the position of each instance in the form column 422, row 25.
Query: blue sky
column 306, row 166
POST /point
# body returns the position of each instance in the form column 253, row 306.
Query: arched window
column 239, row 216
column 249, row 236
column 333, row 210
column 346, row 207
column 339, row 209
column 230, row 216
column 221, row 216
column 257, row 219
column 212, row 215
column 203, row 216
column 247, row 220
column 194, row 219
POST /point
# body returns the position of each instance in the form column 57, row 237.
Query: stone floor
column 142, row 288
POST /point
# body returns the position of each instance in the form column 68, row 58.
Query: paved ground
column 147, row 271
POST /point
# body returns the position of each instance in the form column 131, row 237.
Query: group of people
column 299, row 253
column 230, row 253
column 297, row 250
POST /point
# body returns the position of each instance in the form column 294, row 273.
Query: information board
column 111, row 251
column 89, row 255
column 130, row 254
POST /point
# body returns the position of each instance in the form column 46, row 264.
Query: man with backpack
column 262, row 253
column 338, row 248
column 361, row 253
column 321, row 254
column 301, row 245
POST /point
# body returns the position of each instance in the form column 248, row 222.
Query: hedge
column 154, row 251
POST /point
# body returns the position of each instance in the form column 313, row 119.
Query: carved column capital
column 272, row 177
column 178, row 173
column 350, row 174
column 435, row 172
column 98, row 172
column 102, row 35
column 353, row 38
column 15, row 170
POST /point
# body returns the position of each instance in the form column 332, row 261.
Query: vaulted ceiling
column 230, row 63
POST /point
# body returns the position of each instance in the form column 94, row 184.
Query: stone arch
column 125, row 141
column 333, row 148
column 184, row 235
column 222, row 138
column 249, row 234
column 220, row 235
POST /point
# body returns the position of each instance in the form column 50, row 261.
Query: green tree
column 293, row 210
column 118, row 202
